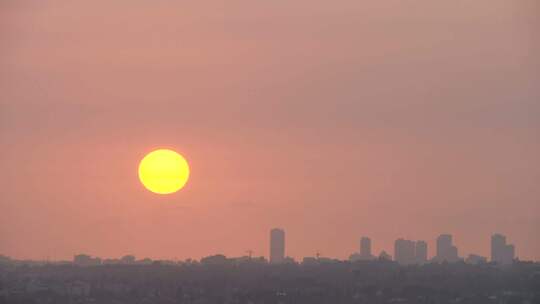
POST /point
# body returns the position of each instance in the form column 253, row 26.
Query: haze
column 330, row 119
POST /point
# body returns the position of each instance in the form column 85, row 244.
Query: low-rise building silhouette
column 86, row 260
column 475, row 259
column 384, row 256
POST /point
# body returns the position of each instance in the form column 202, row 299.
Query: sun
column 163, row 171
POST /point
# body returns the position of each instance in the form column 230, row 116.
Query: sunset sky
column 331, row 119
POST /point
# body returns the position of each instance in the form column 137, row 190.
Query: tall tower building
column 446, row 251
column 277, row 246
column 404, row 252
column 365, row 247
column 501, row 252
column 421, row 252
column 444, row 243
column 498, row 242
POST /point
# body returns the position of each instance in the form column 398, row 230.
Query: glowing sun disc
column 163, row 171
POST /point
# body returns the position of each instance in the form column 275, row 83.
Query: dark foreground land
column 255, row 282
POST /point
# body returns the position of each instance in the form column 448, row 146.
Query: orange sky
column 331, row 119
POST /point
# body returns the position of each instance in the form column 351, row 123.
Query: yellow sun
column 163, row 171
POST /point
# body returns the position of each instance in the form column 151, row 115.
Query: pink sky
column 330, row 119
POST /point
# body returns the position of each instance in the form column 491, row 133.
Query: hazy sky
column 330, row 119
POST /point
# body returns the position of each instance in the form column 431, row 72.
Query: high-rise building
column 446, row 251
column 510, row 254
column 277, row 246
column 404, row 251
column 501, row 253
column 365, row 248
column 421, row 252
column 444, row 242
column 365, row 251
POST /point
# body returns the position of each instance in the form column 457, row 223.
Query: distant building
column 4, row 259
column 365, row 248
column 355, row 257
column 501, row 253
column 365, row 251
column 446, row 251
column 453, row 255
column 310, row 261
column 111, row 261
column 404, row 251
column 145, row 261
column 475, row 259
column 217, row 259
column 384, row 256
column 277, row 246
column 86, row 260
column 421, row 252
column 246, row 260
column 326, row 260
column 444, row 242
column 128, row 259
column 289, row 260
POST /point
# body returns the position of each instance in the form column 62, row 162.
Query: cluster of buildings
column 406, row 252
column 409, row 252
column 87, row 260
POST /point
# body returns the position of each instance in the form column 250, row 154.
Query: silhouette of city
column 270, row 152
column 406, row 252
column 407, row 277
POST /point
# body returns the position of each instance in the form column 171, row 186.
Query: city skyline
column 387, row 119
column 270, row 152
column 405, row 252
